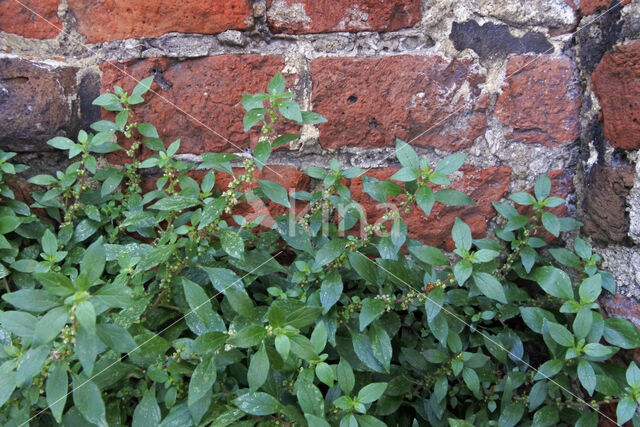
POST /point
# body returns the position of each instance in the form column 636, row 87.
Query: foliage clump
column 168, row 308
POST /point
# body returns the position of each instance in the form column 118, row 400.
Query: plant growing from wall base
column 169, row 307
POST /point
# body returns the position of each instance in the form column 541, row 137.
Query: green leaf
column 330, row 290
column 330, row 251
column 88, row 400
column 259, row 404
column 490, row 286
column 587, row 376
column 325, row 374
column 381, row 346
column 371, row 310
column 240, row 302
column 371, row 392
column 319, row 337
column 56, row 389
column 542, row 187
column 561, row 334
column 285, row 139
column 147, row 413
column 472, row 380
column 346, row 379
column 258, row 369
column 30, row 363
column 86, row 348
column 86, row 315
column 590, row 289
column 283, row 346
column 143, row 86
column 115, row 337
column 511, row 414
column 621, row 333
column 18, row 323
column 175, row 203
column 61, row 143
column 406, row 175
column 462, row 270
column 425, row 199
column 461, row 234
column 625, row 410
column 275, row 192
column 365, row 268
column 588, row 419
column 554, row 281
column 315, row 421
column 276, row 85
column 565, row 257
column 451, row 197
column 202, row 379
column 50, row 325
column 429, row 255
column 451, row 163
column 261, row 153
column 549, row 369
column 406, row 155
column 8, row 383
column 523, row 198
column 148, row 130
column 538, row 394
column 312, row 118
column 106, row 99
column 248, row 337
column 290, row 110
column 42, row 180
column 551, row 223
column 583, row 322
column 34, row 300
column 232, row 243
column 9, row 223
column 309, row 398
column 250, row 102
column 546, row 416
column 211, row 211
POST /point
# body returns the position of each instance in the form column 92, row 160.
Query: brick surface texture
column 538, row 100
column 18, row 19
column 321, row 16
column 194, row 92
column 616, row 82
column 102, row 20
column 371, row 102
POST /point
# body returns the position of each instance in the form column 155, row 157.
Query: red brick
column 17, row 19
column 539, row 100
column 606, row 219
column 590, row 6
column 616, row 82
column 370, row 102
column 482, row 185
column 101, row 20
column 314, row 16
column 207, row 89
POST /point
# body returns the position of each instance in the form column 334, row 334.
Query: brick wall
column 526, row 88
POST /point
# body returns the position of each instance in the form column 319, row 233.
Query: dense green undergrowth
column 167, row 308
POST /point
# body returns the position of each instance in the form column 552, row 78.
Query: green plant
column 165, row 308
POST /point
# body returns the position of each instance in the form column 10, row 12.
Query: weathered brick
column 207, row 90
column 370, row 102
column 607, row 188
column 17, row 19
column 101, row 21
column 539, row 100
column 314, row 16
column 587, row 7
column 616, row 82
column 36, row 103
column 482, row 185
